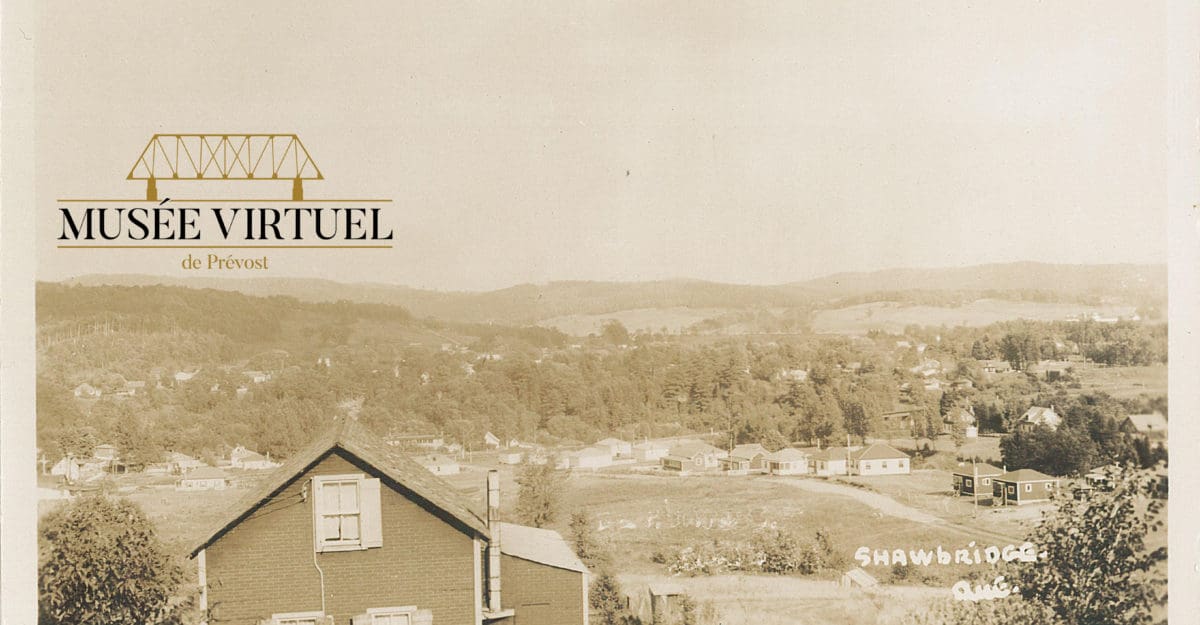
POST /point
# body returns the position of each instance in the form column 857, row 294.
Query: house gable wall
column 265, row 564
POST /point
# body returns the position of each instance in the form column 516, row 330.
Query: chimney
column 493, row 548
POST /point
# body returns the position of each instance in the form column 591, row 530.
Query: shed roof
column 398, row 470
column 206, row 473
column 538, row 545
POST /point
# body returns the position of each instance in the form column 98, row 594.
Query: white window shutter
column 423, row 617
column 361, row 619
column 315, row 496
column 372, row 519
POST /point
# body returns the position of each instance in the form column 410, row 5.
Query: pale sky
column 763, row 143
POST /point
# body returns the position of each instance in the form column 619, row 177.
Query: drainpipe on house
column 493, row 548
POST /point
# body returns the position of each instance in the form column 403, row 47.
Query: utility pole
column 975, row 487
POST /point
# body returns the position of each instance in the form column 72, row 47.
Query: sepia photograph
column 601, row 314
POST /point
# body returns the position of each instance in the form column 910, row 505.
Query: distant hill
column 527, row 304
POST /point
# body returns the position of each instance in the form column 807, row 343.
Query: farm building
column 589, row 458
column 1153, row 426
column 787, row 461
column 1023, row 486
column 995, row 366
column 976, row 478
column 1038, row 415
column 753, row 452
column 359, row 533
column 879, row 459
column 648, row 451
column 692, row 456
column 204, row 478
column 423, row 441
column 829, row 461
column 439, row 464
column 616, row 446
column 491, row 440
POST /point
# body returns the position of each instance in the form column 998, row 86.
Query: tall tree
column 539, row 493
column 1098, row 568
column 103, row 565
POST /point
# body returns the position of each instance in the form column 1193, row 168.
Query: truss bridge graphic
column 225, row 157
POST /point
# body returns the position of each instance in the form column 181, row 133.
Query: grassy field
column 893, row 317
column 1123, row 381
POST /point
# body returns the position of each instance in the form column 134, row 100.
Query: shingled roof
column 396, row 469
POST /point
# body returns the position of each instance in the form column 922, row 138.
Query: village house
column 617, row 447
column 491, row 440
column 351, row 531
column 204, row 478
column 880, row 459
column 87, row 391
column 589, row 458
column 184, row 376
column 1153, row 426
column 509, row 456
column 898, row 420
column 692, row 456
column 975, row 478
column 650, row 451
column 755, row 453
column 960, row 419
column 68, row 468
column 1023, row 486
column 242, row 458
column 129, row 389
column 995, row 366
column 257, row 377
column 734, row 466
column 178, row 463
column 439, row 464
column 787, row 461
column 423, row 441
column 829, row 461
column 1039, row 416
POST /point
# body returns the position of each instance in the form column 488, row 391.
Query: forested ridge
column 404, row 374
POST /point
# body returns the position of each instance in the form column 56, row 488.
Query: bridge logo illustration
column 251, row 156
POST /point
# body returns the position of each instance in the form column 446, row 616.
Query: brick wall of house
column 540, row 594
column 264, row 565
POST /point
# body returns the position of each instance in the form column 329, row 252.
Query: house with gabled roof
column 754, row 453
column 352, row 531
column 975, row 478
column 829, row 461
column 1039, row 416
column 787, row 461
column 1153, row 426
column 879, row 459
column 650, row 451
column 1023, row 486
column 693, row 456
